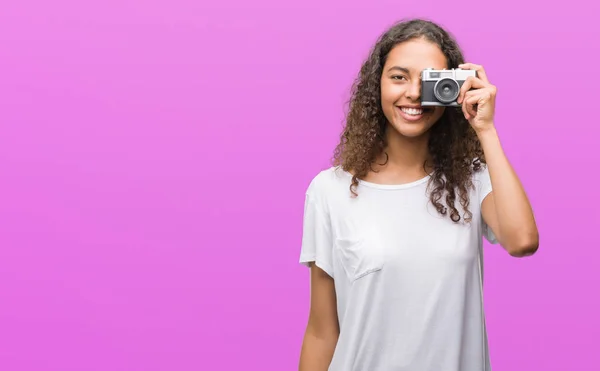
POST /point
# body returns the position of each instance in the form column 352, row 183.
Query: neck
column 406, row 154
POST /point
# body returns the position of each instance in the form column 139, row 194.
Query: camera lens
column 446, row 90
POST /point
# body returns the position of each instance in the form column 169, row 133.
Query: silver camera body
column 442, row 87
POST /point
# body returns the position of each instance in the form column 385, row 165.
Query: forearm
column 317, row 351
column 515, row 219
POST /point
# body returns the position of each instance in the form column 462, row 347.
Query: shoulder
column 481, row 174
column 328, row 181
column 482, row 183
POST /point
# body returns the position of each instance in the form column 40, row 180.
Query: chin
column 411, row 130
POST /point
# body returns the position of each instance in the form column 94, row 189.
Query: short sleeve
column 484, row 187
column 316, row 236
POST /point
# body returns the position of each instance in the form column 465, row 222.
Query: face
column 401, row 87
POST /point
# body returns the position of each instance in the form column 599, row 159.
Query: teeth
column 412, row 111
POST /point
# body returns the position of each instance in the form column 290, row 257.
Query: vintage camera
column 441, row 87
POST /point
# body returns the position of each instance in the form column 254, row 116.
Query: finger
column 464, row 110
column 478, row 68
column 466, row 106
column 471, row 103
column 470, row 83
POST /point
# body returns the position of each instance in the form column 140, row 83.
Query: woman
column 393, row 231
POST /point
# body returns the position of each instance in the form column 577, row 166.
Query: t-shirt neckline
column 392, row 186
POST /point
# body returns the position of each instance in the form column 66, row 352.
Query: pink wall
column 154, row 157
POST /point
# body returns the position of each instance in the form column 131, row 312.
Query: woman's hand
column 478, row 99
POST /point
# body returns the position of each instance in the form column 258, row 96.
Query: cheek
column 390, row 93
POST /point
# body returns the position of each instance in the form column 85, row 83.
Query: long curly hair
column 454, row 147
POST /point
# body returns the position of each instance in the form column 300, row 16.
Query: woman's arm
column 322, row 330
column 507, row 209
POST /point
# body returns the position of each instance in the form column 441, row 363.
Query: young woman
column 393, row 231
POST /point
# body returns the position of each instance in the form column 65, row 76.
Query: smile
column 412, row 113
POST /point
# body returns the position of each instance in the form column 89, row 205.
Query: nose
column 413, row 92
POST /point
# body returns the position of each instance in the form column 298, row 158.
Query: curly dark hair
column 453, row 144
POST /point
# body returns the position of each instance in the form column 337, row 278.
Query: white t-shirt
column 408, row 280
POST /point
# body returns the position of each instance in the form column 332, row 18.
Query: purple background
column 154, row 157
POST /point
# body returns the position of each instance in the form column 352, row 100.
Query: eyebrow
column 401, row 69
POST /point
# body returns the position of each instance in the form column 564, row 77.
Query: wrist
column 486, row 131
